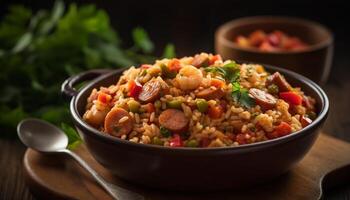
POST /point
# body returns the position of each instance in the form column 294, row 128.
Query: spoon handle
column 115, row 191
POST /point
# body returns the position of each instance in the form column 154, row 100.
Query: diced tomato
column 217, row 83
column 176, row 141
column 145, row 66
column 240, row 138
column 215, row 112
column 283, row 129
column 150, row 108
column 291, row 97
column 257, row 38
column 274, row 40
column 266, row 46
column 214, row 58
column 104, row 98
column 305, row 121
column 134, row 89
column 174, row 65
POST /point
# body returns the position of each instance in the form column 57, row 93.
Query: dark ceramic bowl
column 194, row 168
column 314, row 62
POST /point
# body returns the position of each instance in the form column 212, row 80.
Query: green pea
column 157, row 141
column 273, row 89
column 176, row 104
column 165, row 132
column 202, row 105
column 191, row 143
column 134, row 106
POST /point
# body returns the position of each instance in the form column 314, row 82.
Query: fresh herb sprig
column 38, row 51
column 231, row 73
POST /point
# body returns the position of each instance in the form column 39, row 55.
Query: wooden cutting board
column 59, row 177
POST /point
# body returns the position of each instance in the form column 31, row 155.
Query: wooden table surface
column 12, row 185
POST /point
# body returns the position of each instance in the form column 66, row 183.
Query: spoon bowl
column 45, row 137
column 41, row 136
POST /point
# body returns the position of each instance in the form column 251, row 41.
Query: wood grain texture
column 12, row 184
column 57, row 176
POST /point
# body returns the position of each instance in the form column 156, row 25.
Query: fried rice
column 199, row 101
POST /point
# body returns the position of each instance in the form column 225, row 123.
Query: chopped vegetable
column 104, row 98
column 214, row 59
column 202, row 105
column 191, row 143
column 215, row 112
column 157, row 141
column 133, row 106
column 229, row 71
column 135, row 89
column 166, row 73
column 165, row 132
column 217, row 83
column 273, row 89
column 176, row 104
column 291, row 97
column 176, row 141
column 174, row 65
column 241, row 95
column 283, row 129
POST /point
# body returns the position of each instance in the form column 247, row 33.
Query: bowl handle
column 67, row 87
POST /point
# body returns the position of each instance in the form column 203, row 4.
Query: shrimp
column 96, row 115
column 189, row 78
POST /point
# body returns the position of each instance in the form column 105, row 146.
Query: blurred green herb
column 39, row 50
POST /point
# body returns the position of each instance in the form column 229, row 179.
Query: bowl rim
column 324, row 108
column 224, row 28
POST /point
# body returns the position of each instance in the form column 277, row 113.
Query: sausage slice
column 280, row 81
column 200, row 61
column 114, row 126
column 150, row 91
column 173, row 120
column 265, row 100
column 210, row 93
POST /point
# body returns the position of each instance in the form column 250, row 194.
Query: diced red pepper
column 215, row 112
column 176, row 141
column 217, row 83
column 266, row 46
column 145, row 66
column 174, row 65
column 150, row 108
column 305, row 121
column 104, row 98
column 134, row 89
column 283, row 129
column 291, row 97
column 214, row 58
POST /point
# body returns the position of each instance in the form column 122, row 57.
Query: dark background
column 191, row 25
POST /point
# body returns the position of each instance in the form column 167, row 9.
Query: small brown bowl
column 313, row 62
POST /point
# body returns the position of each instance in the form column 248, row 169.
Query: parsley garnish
column 231, row 73
column 241, row 95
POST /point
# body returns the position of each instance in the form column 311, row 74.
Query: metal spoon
column 45, row 137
